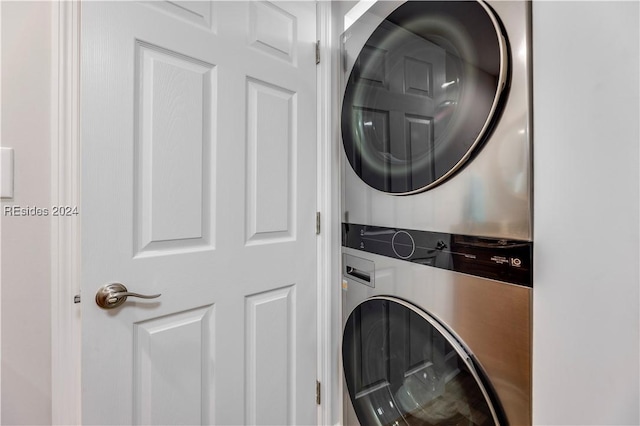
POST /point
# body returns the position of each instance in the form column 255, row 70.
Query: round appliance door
column 403, row 367
column 423, row 93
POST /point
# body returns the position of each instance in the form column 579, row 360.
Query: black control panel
column 499, row 259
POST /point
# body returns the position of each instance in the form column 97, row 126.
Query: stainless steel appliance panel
column 492, row 319
column 491, row 194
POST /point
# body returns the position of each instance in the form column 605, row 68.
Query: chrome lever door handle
column 112, row 295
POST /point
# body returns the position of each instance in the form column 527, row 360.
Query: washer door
column 402, row 367
column 423, row 94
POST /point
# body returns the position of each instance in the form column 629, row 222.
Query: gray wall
column 586, row 161
column 25, row 271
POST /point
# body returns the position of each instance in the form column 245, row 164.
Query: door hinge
column 76, row 298
column 317, row 52
column 317, row 223
column 317, row 392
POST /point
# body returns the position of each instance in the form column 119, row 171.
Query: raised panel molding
column 377, row 122
column 270, row 168
column 270, row 323
column 371, row 66
column 419, row 141
column 419, row 132
column 200, row 13
column 174, row 368
column 174, row 187
column 272, row 30
column 418, row 77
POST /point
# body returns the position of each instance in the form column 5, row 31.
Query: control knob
column 403, row 245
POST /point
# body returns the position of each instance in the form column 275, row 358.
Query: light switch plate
column 6, row 172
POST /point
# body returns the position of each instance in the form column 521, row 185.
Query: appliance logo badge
column 500, row 259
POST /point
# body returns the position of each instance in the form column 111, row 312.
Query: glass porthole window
column 403, row 368
column 423, row 94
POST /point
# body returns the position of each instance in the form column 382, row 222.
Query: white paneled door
column 198, row 131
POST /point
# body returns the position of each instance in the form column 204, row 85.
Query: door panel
column 270, row 150
column 200, row 13
column 174, row 94
column 170, row 392
column 198, row 133
column 270, row 350
column 273, row 30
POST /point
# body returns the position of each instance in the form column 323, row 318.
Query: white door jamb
column 65, row 231
column 328, row 204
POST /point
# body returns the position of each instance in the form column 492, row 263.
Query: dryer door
column 403, row 367
column 422, row 93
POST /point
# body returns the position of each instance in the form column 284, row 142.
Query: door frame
column 65, row 232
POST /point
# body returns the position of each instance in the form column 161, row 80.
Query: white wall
column 25, row 276
column 586, row 163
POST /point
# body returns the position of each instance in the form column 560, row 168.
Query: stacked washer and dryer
column 437, row 226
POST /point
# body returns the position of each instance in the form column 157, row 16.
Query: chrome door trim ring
column 502, row 80
column 463, row 353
